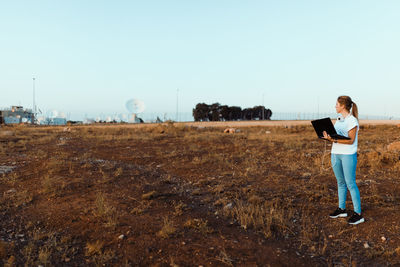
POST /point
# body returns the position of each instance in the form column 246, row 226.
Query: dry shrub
column 141, row 208
column 106, row 211
column 93, row 248
column 225, row 258
column 29, row 253
column 168, row 228
column 180, row 208
column 198, row 225
column 44, row 255
column 270, row 218
column 11, row 261
column 118, row 172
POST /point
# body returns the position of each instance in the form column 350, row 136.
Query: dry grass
column 93, row 248
column 106, row 211
column 44, row 255
column 271, row 218
column 199, row 225
column 225, row 258
column 168, row 229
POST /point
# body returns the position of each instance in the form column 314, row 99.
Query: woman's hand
column 327, row 136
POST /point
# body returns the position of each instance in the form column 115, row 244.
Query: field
column 190, row 195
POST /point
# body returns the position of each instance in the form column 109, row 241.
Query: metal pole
column 34, row 105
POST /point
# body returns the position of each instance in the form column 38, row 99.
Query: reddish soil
column 176, row 195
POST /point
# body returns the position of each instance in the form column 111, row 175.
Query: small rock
column 149, row 195
column 330, row 236
column 230, row 130
column 228, row 206
column 383, row 239
column 121, row 237
column 11, row 191
column 183, row 243
column 366, row 245
column 267, row 132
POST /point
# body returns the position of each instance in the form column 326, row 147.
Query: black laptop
column 325, row 124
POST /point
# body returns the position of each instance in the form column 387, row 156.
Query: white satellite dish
column 135, row 106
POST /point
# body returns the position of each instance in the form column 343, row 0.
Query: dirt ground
column 186, row 194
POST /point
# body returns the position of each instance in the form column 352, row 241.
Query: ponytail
column 349, row 105
column 354, row 110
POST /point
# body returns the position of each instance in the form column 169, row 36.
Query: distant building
column 52, row 121
column 59, row 121
column 16, row 115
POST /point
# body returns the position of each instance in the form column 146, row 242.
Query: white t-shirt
column 342, row 127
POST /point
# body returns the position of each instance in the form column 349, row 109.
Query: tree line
column 218, row 112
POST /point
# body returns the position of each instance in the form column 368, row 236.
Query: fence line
column 188, row 117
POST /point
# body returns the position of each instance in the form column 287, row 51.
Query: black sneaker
column 356, row 219
column 338, row 213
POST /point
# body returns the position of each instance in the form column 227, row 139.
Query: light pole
column 34, row 105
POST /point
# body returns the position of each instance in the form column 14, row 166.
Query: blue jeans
column 344, row 167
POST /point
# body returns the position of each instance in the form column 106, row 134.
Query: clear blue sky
column 92, row 56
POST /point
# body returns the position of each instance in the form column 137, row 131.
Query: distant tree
column 236, row 113
column 218, row 112
column 267, row 114
column 201, row 111
column 214, row 112
column 247, row 114
column 224, row 113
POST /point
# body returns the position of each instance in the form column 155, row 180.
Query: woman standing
column 344, row 158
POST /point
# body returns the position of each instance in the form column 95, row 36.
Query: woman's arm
column 352, row 136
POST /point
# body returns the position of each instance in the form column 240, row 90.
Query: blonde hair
column 348, row 105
